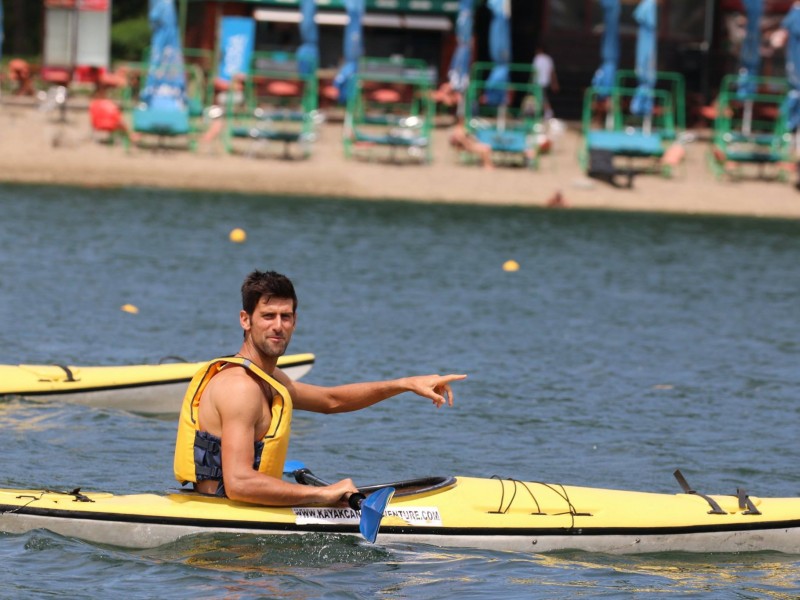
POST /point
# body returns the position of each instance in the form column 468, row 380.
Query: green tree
column 130, row 30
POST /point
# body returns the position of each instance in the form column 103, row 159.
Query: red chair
column 106, row 116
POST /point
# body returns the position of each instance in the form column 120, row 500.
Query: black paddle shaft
column 308, row 478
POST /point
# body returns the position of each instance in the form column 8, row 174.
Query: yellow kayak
column 146, row 389
column 445, row 511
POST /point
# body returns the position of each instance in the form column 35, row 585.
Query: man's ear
column 244, row 320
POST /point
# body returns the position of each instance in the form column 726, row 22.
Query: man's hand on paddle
column 435, row 387
column 336, row 494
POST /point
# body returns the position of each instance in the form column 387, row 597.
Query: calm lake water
column 626, row 346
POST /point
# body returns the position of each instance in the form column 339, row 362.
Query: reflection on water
column 272, row 554
column 763, row 574
column 25, row 415
column 275, row 566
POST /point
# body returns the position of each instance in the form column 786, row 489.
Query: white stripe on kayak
column 421, row 516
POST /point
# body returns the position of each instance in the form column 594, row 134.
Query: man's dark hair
column 266, row 284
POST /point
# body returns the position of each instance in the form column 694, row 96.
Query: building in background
column 698, row 38
column 77, row 34
column 421, row 29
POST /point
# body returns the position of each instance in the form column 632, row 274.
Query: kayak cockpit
column 414, row 487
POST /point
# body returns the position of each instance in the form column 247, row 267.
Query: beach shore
column 36, row 148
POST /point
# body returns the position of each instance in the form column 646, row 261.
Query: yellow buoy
column 238, row 235
column 129, row 308
column 511, row 265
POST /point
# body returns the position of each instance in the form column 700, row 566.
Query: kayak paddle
column 370, row 507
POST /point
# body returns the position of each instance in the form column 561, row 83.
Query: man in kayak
column 235, row 421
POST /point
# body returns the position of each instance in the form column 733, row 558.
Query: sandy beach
column 28, row 154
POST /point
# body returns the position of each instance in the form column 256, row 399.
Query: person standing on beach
column 235, row 421
column 545, row 71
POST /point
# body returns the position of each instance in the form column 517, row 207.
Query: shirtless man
column 235, row 422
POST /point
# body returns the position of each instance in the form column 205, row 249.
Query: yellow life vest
column 270, row 451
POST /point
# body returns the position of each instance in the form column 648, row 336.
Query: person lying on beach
column 461, row 140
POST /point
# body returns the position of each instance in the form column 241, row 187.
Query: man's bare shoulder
column 231, row 395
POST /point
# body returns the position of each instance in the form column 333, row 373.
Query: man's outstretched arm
column 355, row 396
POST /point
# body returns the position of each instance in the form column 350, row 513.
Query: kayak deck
column 146, row 389
column 472, row 512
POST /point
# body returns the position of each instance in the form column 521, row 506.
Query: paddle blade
column 372, row 510
column 292, row 466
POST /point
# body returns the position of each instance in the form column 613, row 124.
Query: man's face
column 271, row 325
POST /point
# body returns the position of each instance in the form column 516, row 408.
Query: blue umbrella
column 462, row 57
column 165, row 86
column 791, row 106
column 353, row 49
column 604, row 78
column 500, row 51
column 750, row 55
column 646, row 15
column 308, row 52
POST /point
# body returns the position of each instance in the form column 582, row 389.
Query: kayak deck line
column 78, row 389
column 746, row 505
column 572, row 511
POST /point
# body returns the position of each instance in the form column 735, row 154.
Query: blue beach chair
column 280, row 107
column 616, row 143
column 391, row 108
column 511, row 127
column 751, row 136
